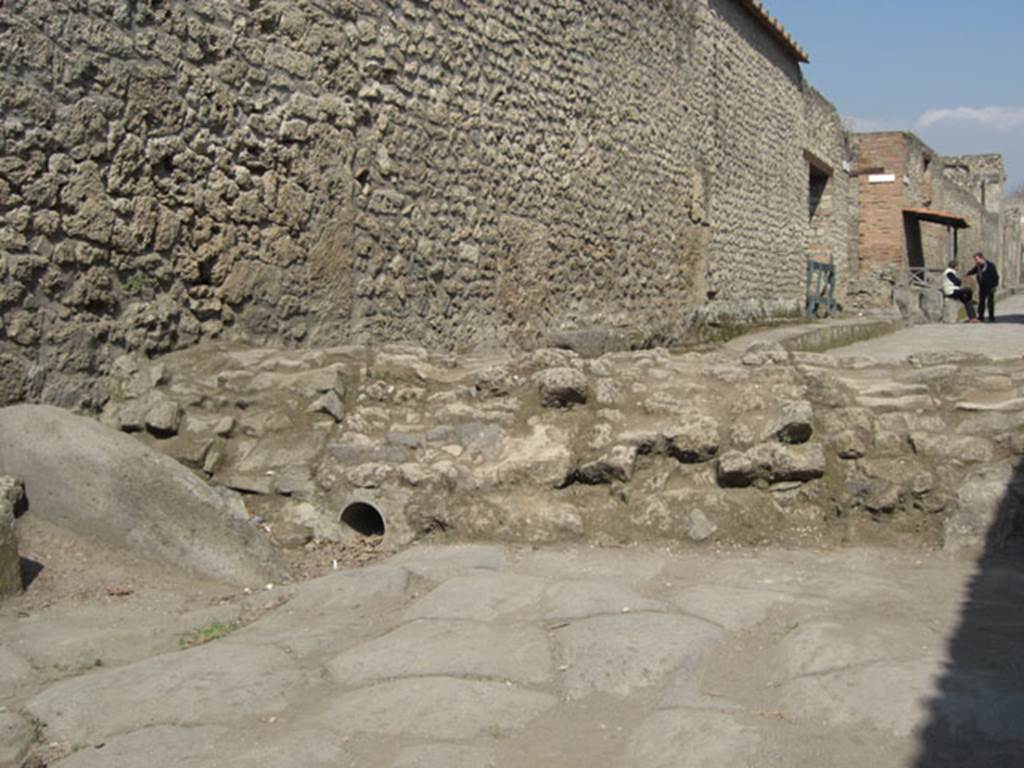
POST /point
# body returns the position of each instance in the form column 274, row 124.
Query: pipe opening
column 365, row 519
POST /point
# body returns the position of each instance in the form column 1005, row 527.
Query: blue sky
column 952, row 72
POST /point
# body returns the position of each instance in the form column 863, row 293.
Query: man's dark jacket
column 988, row 275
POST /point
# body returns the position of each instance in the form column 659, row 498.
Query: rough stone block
column 794, row 424
column 562, row 387
column 329, row 404
column 771, row 463
column 163, row 419
column 692, row 440
column 617, row 464
column 11, row 496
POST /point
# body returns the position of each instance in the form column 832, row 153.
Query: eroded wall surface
column 448, row 174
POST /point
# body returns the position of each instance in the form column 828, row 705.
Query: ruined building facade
column 448, row 174
column 916, row 208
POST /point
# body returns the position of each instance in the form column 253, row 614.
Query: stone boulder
column 163, row 419
column 617, row 464
column 771, row 463
column 690, row 438
column 562, row 387
column 10, row 564
column 101, row 483
column 693, row 439
column 590, row 342
column 793, row 424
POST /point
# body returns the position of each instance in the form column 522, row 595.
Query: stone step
column 891, row 404
column 1004, row 406
column 878, row 388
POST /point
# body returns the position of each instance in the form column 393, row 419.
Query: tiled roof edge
column 775, row 28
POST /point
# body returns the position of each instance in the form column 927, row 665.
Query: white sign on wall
column 881, row 178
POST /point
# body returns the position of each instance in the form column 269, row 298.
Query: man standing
column 988, row 281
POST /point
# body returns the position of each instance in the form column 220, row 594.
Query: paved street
column 1004, row 339
column 473, row 656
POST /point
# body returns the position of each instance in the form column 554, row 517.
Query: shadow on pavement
column 976, row 719
column 1018, row 319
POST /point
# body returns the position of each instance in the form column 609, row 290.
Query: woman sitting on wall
column 952, row 288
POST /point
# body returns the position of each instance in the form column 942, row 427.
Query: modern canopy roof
column 938, row 217
column 775, row 28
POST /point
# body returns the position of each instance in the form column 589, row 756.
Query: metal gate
column 821, row 288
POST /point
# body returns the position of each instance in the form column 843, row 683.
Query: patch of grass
column 38, row 726
column 135, row 285
column 215, row 630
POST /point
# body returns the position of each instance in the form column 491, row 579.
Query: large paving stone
column 348, row 590
column 593, row 597
column 817, row 647
column 16, row 736
column 678, row 738
column 686, row 690
column 619, row 654
column 336, row 611
column 285, row 745
column 15, row 671
column 890, row 696
column 482, row 596
column 458, row 648
column 853, row 672
column 205, row 686
column 194, row 747
column 98, row 482
column 445, row 756
column 76, row 638
column 634, row 567
column 729, row 607
column 435, row 707
column 441, row 563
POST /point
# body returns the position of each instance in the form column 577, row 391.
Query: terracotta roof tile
column 775, row 28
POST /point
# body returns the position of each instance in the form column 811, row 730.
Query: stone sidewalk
column 475, row 656
column 1000, row 341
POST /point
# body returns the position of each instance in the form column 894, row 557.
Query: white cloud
column 997, row 118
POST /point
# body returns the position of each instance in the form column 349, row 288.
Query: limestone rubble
column 729, row 448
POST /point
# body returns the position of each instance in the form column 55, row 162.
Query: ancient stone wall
column 833, row 193
column 984, row 176
column 449, row 174
column 1013, row 241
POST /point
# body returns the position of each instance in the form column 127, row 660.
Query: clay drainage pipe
column 363, row 518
